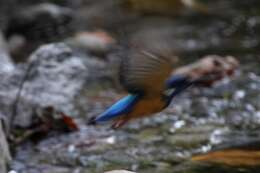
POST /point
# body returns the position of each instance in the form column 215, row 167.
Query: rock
column 5, row 156
column 19, row 48
column 6, row 65
column 32, row 25
column 213, row 67
column 108, row 15
column 44, row 22
column 119, row 171
column 55, row 78
column 6, row 7
column 171, row 7
column 166, row 7
column 97, row 42
column 236, row 153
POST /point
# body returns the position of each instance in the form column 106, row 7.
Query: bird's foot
column 119, row 123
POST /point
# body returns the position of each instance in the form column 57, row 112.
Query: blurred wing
column 145, row 72
column 120, row 108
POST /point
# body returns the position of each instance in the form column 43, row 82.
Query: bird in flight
column 147, row 78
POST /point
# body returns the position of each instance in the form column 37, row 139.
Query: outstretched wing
column 145, row 72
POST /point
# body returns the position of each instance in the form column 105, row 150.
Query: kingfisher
column 146, row 76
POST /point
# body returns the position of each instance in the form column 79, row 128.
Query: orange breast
column 146, row 107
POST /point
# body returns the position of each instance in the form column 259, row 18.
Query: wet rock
column 166, row 7
column 44, row 22
column 97, row 42
column 5, row 157
column 187, row 141
column 44, row 169
column 6, row 8
column 19, row 48
column 32, row 25
column 149, row 135
column 107, row 15
column 54, row 76
column 6, row 64
column 119, row 171
column 211, row 67
column 236, row 153
column 6, row 67
column 162, row 7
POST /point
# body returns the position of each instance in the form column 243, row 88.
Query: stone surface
column 41, row 22
column 213, row 68
column 119, row 171
column 97, row 42
column 6, row 64
column 55, row 78
column 5, row 157
column 5, row 7
column 166, row 7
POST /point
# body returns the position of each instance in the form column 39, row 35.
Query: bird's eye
column 217, row 63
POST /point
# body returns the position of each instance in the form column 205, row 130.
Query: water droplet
column 239, row 94
column 12, row 171
column 177, row 125
column 110, row 140
column 71, row 148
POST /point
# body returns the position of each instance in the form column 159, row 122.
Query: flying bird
column 147, row 78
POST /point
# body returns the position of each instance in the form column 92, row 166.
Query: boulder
column 45, row 22
column 53, row 76
column 4, row 151
column 209, row 69
column 6, row 64
column 97, row 42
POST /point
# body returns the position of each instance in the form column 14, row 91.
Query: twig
column 18, row 96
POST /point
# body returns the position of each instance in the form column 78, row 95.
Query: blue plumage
column 176, row 81
column 121, row 107
column 179, row 83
